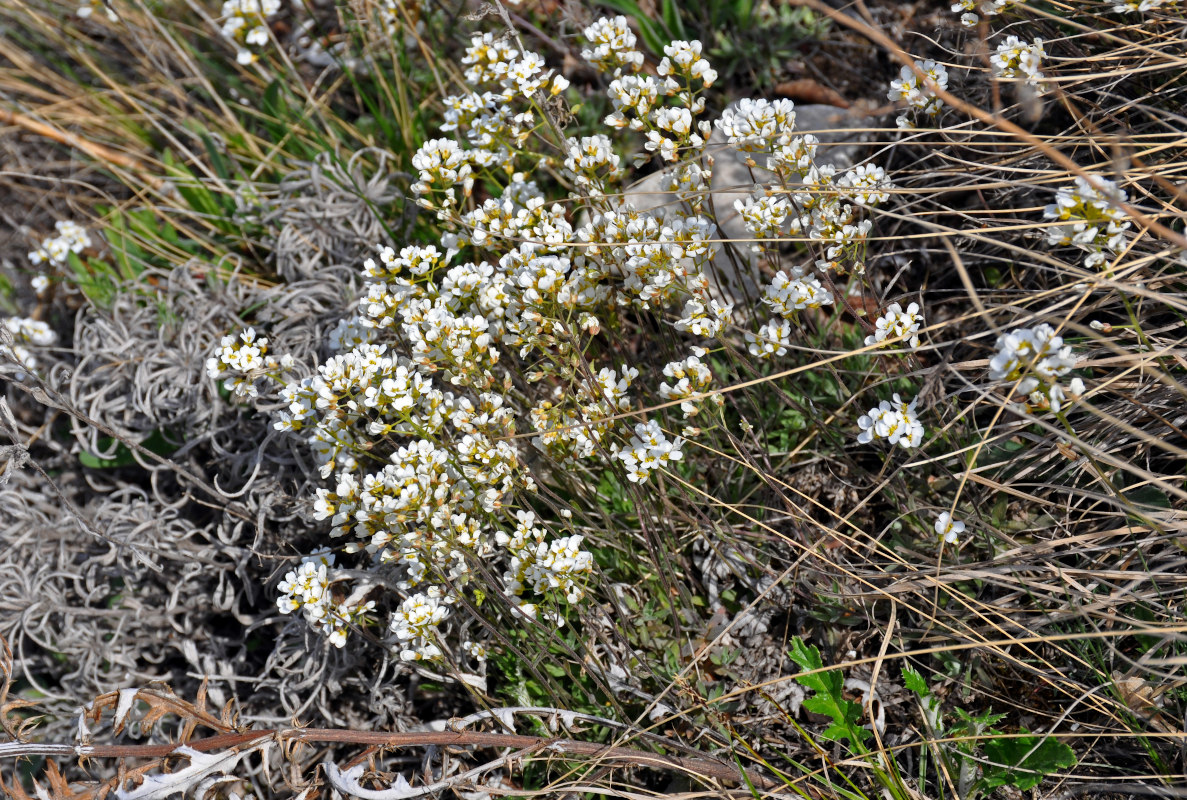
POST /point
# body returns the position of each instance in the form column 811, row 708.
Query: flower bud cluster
column 71, row 238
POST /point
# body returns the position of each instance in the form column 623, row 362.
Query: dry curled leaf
column 806, row 90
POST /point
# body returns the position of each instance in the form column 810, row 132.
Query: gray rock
column 736, row 277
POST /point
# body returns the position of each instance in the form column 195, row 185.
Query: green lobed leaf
column 914, row 681
column 1012, row 766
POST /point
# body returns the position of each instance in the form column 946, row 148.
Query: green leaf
column 914, row 681
column 157, row 443
column 828, row 699
column 808, row 658
column 672, row 20
column 1149, row 496
column 1009, row 757
column 218, row 161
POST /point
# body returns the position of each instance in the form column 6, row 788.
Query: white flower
column 705, row 319
column 244, row 22
column 415, row 623
column 1127, row 6
column 26, row 333
column 764, row 215
column 1037, row 359
column 1033, row 356
column 896, row 323
column 685, row 58
column 758, row 125
column 947, row 528
column 89, row 7
column 918, row 96
column 589, row 155
column 690, row 377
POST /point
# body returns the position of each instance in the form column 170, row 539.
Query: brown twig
column 95, row 151
column 707, row 767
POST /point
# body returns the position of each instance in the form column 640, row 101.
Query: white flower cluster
column 811, row 199
column 308, row 588
column 612, row 46
column 831, row 216
column 245, row 23
column 413, row 421
column 1016, row 59
column 895, row 421
column 592, row 161
column 493, row 61
column 1087, row 217
column 1036, row 358
column 71, row 238
column 772, row 339
column 649, row 449
column 764, row 215
column 970, row 10
column 670, row 131
column 415, row 625
column 690, row 377
column 786, row 294
column 25, row 333
column 242, row 361
column 764, row 127
column 918, row 96
column 543, row 566
column 897, row 324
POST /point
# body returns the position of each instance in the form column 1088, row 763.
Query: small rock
column 736, row 278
